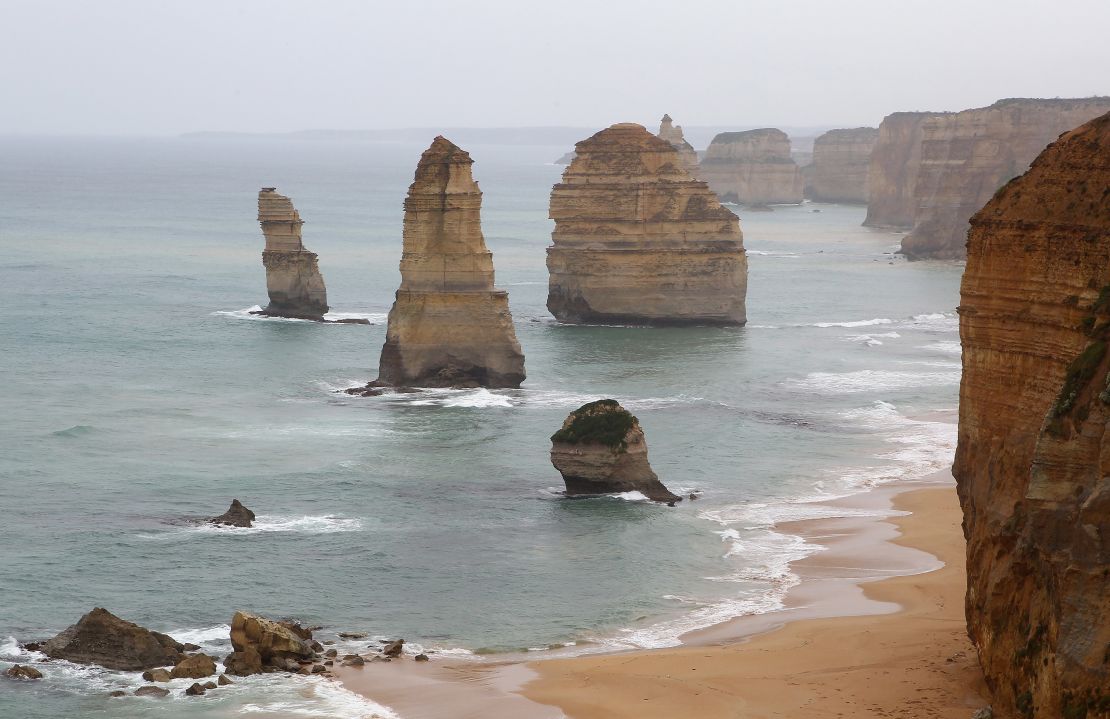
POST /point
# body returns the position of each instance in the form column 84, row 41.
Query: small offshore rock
column 195, row 666
column 223, row 681
column 355, row 661
column 195, row 690
column 23, row 672
column 151, row 691
column 236, row 516
column 156, row 675
column 209, row 685
column 352, row 635
column 421, row 657
column 394, row 648
column 102, row 638
column 117, row 693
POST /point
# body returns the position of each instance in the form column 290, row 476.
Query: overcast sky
column 153, row 67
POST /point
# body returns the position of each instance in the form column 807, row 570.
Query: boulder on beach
column 259, row 642
column 601, row 449
column 102, row 638
column 236, row 516
column 394, row 648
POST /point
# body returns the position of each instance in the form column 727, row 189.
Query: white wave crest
column 870, row 380
column 304, row 524
column 247, row 313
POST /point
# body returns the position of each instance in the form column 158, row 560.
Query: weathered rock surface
column 236, row 516
column 151, row 691
column 101, row 637
column 637, row 240
column 601, row 449
column 841, row 161
column 1033, row 458
column 449, row 326
column 967, row 156
column 259, row 643
column 753, row 167
column 673, row 134
column 892, row 175
column 293, row 279
column 19, row 671
column 156, row 675
column 194, row 666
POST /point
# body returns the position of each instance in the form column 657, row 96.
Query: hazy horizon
column 128, row 67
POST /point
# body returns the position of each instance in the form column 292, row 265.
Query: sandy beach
column 849, row 643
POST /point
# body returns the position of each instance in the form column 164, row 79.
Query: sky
column 150, row 67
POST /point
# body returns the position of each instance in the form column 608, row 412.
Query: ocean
column 140, row 394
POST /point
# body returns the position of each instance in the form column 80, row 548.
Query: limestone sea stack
column 841, row 160
column 449, row 326
column 601, row 449
column 967, row 156
column 1034, row 447
column 673, row 134
column 892, row 174
column 753, row 167
column 637, row 240
column 293, row 278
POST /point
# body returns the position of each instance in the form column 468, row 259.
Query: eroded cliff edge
column 293, row 280
column 449, row 325
column 1033, row 459
column 637, row 240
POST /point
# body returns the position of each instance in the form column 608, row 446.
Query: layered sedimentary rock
column 293, row 279
column 260, row 643
column 102, row 638
column 1033, row 459
column 753, row 167
column 841, row 161
column 892, row 174
column 673, row 134
column 449, row 326
column 967, row 156
column 601, row 449
column 637, row 240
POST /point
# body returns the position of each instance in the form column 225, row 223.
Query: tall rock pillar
column 293, row 278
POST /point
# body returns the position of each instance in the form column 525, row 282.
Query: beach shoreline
column 885, row 593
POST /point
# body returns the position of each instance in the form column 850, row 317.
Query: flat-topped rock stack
column 637, row 240
column 673, row 134
column 841, row 160
column 293, row 279
column 892, row 175
column 753, row 167
column 449, row 326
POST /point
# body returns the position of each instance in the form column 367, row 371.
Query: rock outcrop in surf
column 293, row 279
column 637, row 240
column 102, row 638
column 262, row 644
column 753, row 167
column 236, row 516
column 601, row 449
column 1032, row 460
column 449, row 326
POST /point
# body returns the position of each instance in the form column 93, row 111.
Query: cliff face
column 752, row 168
column 293, row 279
column 1033, row 459
column 601, row 449
column 673, row 134
column 637, row 240
column 967, row 156
column 841, row 160
column 448, row 325
column 892, row 175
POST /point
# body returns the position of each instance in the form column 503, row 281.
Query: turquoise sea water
column 138, row 393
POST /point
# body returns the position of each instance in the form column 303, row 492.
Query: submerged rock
column 637, row 240
column 1032, row 457
column 449, row 326
column 19, row 671
column 293, row 279
column 259, row 643
column 195, row 690
column 601, row 449
column 236, row 516
column 102, row 638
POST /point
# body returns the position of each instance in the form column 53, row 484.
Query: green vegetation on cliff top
column 601, row 422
